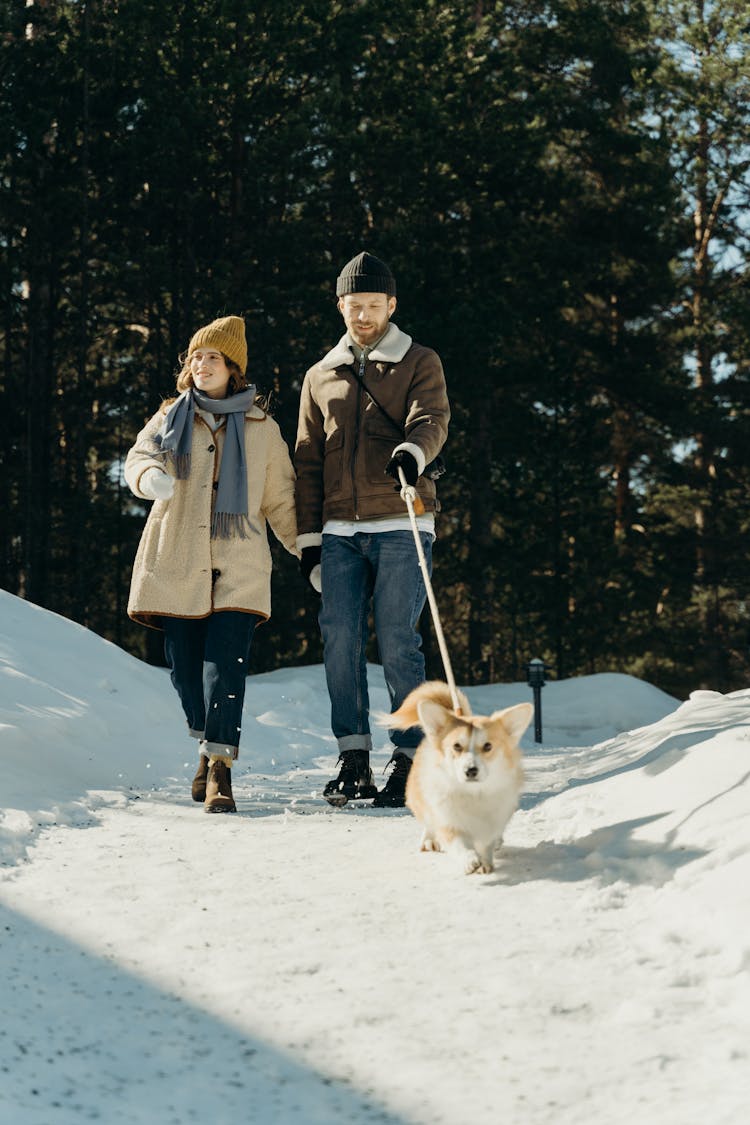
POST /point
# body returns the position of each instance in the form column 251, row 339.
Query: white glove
column 156, row 485
column 314, row 579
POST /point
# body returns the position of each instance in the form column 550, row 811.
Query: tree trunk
column 482, row 580
column 38, row 399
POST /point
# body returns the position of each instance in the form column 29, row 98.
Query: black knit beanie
column 365, row 274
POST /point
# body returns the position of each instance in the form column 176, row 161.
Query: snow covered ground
column 299, row 964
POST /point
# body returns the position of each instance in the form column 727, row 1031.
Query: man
column 375, row 403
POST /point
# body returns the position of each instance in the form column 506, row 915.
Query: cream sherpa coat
column 179, row 571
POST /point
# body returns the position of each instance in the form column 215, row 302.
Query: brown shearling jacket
column 344, row 442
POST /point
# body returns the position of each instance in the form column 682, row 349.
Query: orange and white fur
column 467, row 775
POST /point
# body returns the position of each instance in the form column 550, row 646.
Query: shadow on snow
column 83, row 1039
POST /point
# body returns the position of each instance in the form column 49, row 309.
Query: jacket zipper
column 362, row 362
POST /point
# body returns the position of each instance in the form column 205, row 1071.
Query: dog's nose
column 471, row 771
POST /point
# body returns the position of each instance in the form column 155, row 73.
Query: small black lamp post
column 535, row 671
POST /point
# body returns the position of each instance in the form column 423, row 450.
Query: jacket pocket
column 380, row 441
column 152, row 544
column 333, row 462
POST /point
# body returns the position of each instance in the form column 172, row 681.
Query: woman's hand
column 156, row 485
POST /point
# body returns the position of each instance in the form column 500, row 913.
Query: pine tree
column 706, row 76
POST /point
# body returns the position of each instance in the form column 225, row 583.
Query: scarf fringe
column 225, row 525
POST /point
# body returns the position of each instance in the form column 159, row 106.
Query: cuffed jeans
column 208, row 658
column 384, row 568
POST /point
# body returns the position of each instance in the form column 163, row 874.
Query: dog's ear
column 432, row 716
column 515, row 719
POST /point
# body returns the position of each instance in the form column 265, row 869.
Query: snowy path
column 295, row 964
column 305, row 967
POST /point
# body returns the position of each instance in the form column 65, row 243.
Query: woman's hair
column 237, row 382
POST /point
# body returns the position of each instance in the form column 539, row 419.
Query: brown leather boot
column 219, row 797
column 198, row 789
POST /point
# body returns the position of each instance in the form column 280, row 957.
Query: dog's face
column 478, row 746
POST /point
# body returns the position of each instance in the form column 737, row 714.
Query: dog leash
column 409, row 495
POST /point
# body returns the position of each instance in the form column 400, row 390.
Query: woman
column 217, row 468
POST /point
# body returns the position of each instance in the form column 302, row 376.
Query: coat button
column 215, row 574
column 211, row 448
column 216, row 485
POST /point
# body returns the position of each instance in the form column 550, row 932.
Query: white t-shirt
column 425, row 522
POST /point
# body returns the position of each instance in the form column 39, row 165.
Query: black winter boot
column 354, row 783
column 393, row 795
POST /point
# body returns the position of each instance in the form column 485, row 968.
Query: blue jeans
column 208, row 658
column 356, row 569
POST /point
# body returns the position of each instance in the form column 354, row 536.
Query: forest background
column 561, row 189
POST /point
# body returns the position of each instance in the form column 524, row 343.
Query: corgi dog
column 466, row 779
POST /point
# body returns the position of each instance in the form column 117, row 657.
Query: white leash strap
column 409, row 495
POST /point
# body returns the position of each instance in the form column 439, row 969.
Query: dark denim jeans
column 208, row 657
column 355, row 570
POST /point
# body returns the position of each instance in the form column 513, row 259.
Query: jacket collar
column 391, row 349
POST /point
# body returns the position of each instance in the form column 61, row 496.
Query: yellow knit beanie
column 227, row 335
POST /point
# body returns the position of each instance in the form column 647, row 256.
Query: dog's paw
column 488, row 862
column 475, row 865
column 429, row 844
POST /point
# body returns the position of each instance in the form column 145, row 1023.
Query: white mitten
column 156, row 485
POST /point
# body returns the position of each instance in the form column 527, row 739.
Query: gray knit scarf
column 176, row 439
